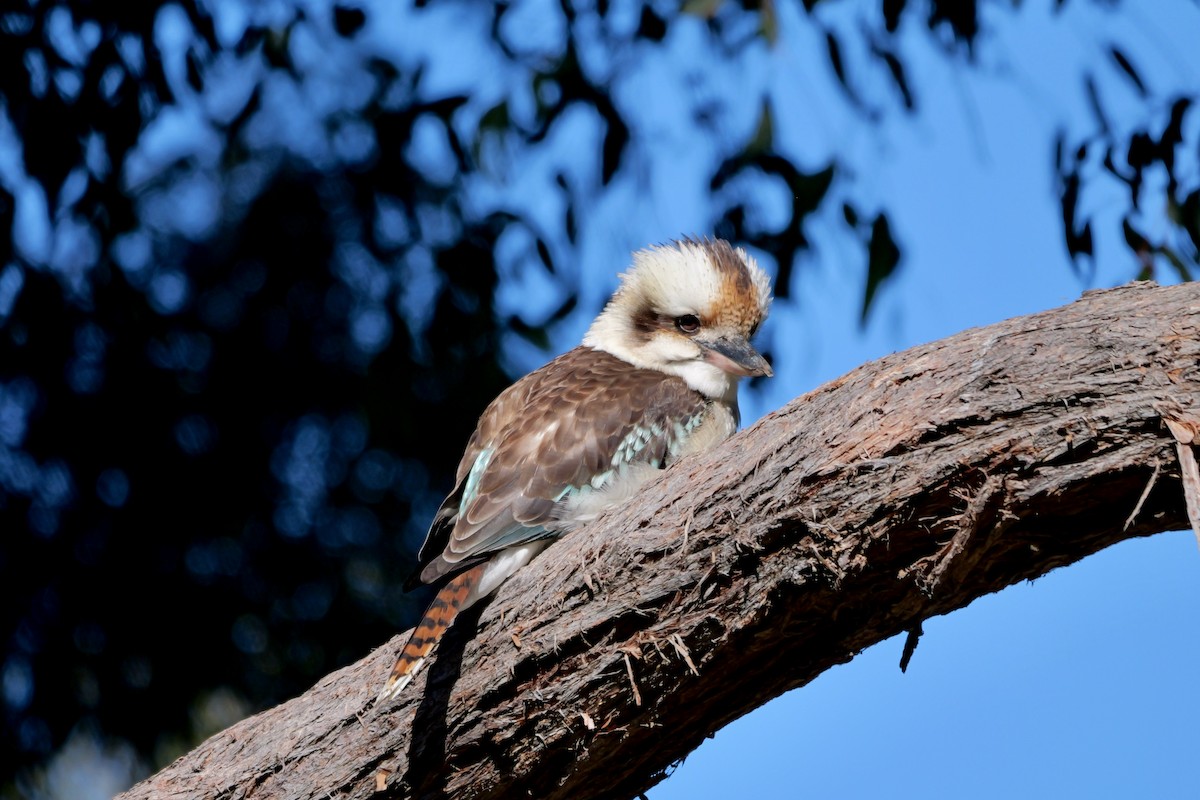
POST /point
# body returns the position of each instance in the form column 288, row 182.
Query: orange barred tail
column 438, row 618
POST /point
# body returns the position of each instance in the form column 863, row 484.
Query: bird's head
column 689, row 308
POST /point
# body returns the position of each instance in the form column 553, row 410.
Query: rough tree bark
column 904, row 490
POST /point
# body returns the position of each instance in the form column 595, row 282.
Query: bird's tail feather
column 438, row 618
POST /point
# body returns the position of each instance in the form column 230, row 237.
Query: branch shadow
column 428, row 769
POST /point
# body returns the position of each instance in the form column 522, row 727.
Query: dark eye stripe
column 647, row 321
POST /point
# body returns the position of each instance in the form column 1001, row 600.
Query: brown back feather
column 553, row 429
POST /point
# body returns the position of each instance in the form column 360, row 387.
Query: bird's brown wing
column 550, row 433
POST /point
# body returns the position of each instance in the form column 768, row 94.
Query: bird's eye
column 688, row 323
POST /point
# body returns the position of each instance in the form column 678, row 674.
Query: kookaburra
column 655, row 379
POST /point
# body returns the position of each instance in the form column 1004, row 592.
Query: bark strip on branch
column 904, row 490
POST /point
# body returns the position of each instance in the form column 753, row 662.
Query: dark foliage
column 214, row 438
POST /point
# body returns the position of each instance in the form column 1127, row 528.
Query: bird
column 655, row 379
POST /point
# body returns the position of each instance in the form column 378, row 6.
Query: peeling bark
column 904, row 490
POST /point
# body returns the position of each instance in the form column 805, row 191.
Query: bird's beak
column 734, row 355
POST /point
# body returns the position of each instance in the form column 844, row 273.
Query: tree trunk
column 904, row 490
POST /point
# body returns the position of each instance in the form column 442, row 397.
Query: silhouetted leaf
column 1082, row 244
column 960, row 17
column 834, row 50
column 809, row 189
column 616, row 137
column 348, row 21
column 1079, row 237
column 535, row 335
column 543, row 251
column 763, row 138
column 896, row 70
column 1093, row 96
column 276, row 48
column 1134, row 239
column 1182, row 270
column 768, row 22
column 1127, row 67
column 564, row 310
column 651, row 26
column 1189, row 212
column 705, row 9
column 570, row 223
column 496, row 118
column 1173, row 133
column 1142, row 152
column 883, row 256
column 194, row 77
column 1171, row 139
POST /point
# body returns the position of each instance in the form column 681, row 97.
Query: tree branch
column 904, row 490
